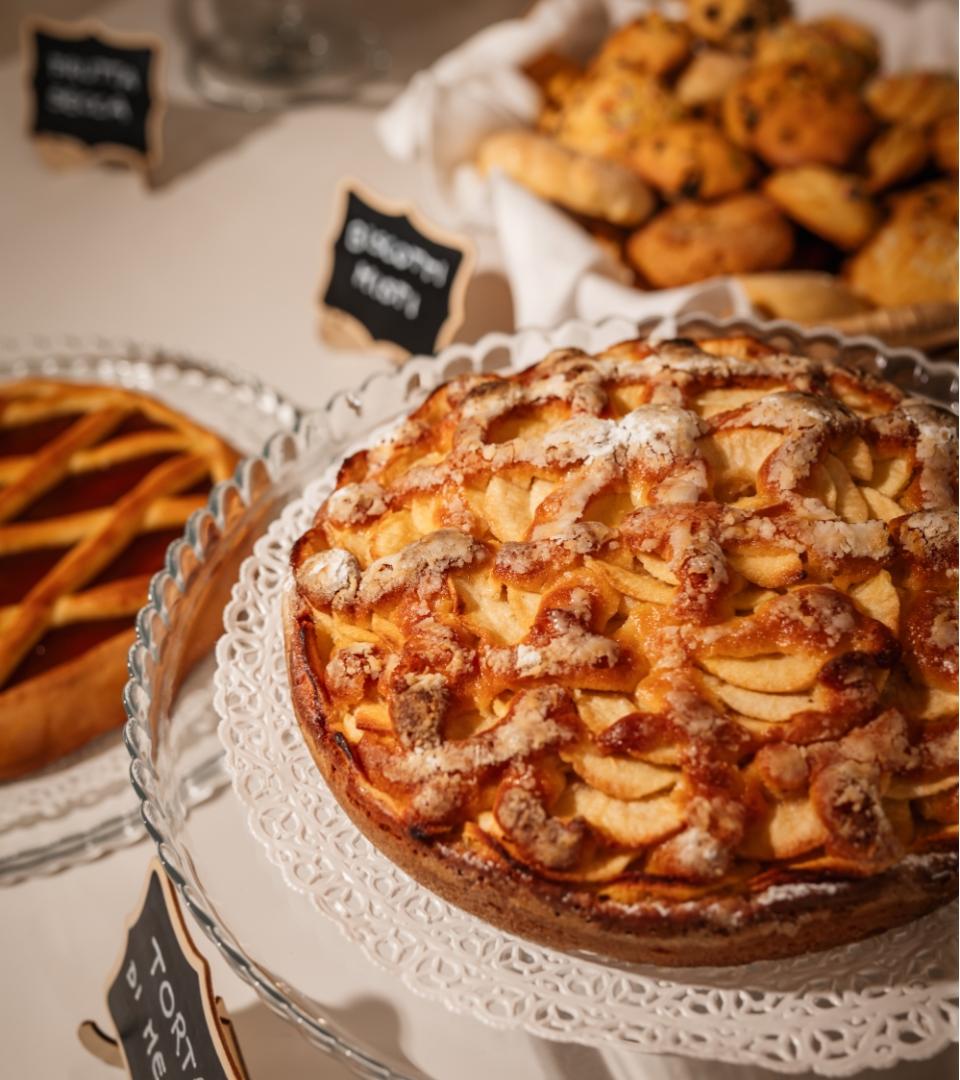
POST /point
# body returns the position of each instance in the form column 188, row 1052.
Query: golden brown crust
column 62, row 710
column 651, row 43
column 584, row 185
column 734, row 22
column 708, row 76
column 606, row 112
column 911, row 260
column 918, row 98
column 945, row 137
column 692, row 241
column 692, row 159
column 896, row 155
column 765, row 926
column 820, row 47
column 938, row 199
column 802, row 296
column 832, row 204
column 554, row 74
column 789, row 116
column 660, row 642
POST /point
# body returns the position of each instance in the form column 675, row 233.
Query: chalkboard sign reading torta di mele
column 92, row 93
column 161, row 999
column 396, row 281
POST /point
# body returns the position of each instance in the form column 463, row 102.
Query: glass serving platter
column 299, row 962
column 81, row 807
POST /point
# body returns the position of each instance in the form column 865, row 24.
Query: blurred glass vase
column 268, row 54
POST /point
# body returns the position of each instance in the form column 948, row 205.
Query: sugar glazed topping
column 663, row 621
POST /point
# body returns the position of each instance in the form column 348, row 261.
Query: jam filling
column 144, row 555
column 29, row 438
column 77, row 493
column 92, row 490
column 201, row 487
column 135, row 422
column 65, row 643
column 20, row 572
column 21, row 439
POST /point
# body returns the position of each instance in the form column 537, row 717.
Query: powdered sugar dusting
column 625, row 526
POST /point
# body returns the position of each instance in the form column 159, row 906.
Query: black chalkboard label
column 95, row 89
column 161, row 999
column 395, row 279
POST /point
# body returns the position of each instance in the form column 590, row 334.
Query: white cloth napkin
column 554, row 267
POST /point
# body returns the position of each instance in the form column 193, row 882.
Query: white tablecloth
column 223, row 260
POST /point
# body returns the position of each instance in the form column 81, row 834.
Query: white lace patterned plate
column 866, row 1005
column 79, row 808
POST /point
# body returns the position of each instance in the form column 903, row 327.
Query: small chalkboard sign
column 92, row 93
column 396, row 281
column 161, row 999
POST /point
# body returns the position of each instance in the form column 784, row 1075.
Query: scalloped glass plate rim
column 116, row 360
column 422, row 373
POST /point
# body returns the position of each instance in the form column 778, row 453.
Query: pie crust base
column 688, row 934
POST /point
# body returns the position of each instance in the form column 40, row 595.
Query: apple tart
column 651, row 653
column 95, row 483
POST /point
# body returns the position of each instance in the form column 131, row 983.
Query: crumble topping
column 329, row 578
column 355, row 504
column 421, row 565
column 662, row 629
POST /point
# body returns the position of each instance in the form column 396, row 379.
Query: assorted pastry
column 95, row 483
column 651, row 653
column 741, row 141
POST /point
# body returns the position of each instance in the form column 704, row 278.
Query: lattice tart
column 95, row 482
column 651, row 653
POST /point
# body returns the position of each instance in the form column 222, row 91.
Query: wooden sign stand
column 160, row 997
column 97, row 1042
column 397, row 283
column 72, row 120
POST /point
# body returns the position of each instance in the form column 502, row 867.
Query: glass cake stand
column 81, row 807
column 364, row 962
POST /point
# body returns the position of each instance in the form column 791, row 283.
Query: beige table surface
column 221, row 259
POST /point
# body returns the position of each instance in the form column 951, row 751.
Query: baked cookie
column 911, row 260
column 708, row 76
column 817, row 47
column 554, row 74
column 895, row 155
column 692, row 159
column 915, row 97
column 855, row 36
column 944, row 138
column 789, row 116
column 937, row 199
column 652, row 44
column 734, row 22
column 607, row 111
column 832, row 204
column 802, row 296
column 585, row 185
column 693, row 241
